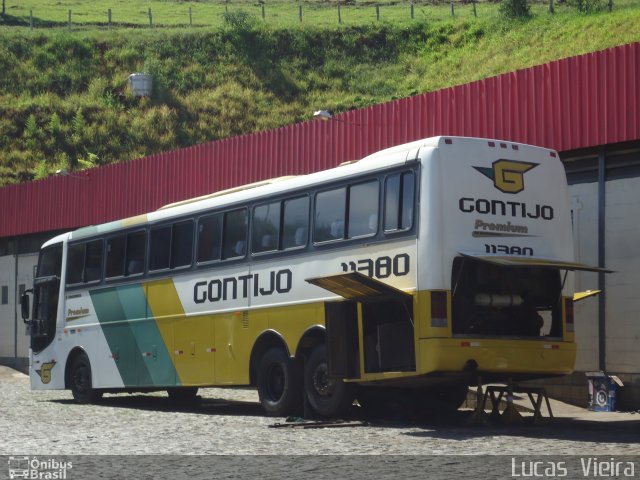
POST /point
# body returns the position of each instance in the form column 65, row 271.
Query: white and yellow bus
column 422, row 267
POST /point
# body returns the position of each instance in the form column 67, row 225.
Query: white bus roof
column 396, row 155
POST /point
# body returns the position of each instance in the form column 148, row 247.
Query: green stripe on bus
column 143, row 358
column 118, row 333
column 154, row 352
column 133, row 302
column 95, row 229
column 84, row 232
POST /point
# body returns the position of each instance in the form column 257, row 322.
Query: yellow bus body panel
column 292, row 321
column 189, row 340
column 496, row 356
column 236, row 333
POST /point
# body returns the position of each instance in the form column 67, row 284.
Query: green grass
column 277, row 13
column 64, row 101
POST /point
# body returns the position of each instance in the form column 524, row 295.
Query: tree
column 515, row 9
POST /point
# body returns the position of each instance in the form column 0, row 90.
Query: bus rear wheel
column 81, row 381
column 329, row 397
column 279, row 383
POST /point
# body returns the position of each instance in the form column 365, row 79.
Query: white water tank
column 141, row 84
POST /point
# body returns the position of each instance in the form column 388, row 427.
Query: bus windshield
column 45, row 299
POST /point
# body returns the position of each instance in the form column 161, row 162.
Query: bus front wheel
column 329, row 397
column 279, row 383
column 81, row 382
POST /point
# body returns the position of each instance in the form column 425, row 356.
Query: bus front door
column 42, row 327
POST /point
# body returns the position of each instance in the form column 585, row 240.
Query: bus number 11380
column 381, row 267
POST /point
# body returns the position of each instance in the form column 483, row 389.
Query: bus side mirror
column 24, row 304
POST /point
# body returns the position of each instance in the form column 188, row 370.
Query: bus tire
column 329, row 397
column 182, row 395
column 279, row 383
column 81, row 381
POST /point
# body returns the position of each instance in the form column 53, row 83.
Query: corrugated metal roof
column 577, row 102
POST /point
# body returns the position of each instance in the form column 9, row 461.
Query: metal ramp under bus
column 501, row 394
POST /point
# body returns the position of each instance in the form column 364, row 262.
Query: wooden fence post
column 339, row 14
column 300, row 11
column 109, row 18
column 475, row 13
column 377, row 11
column 453, row 13
column 412, row 12
column 31, row 19
column 190, row 17
column 69, row 19
column 150, row 20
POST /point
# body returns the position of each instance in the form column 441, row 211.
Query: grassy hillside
column 64, row 101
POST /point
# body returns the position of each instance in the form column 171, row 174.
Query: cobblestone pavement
column 230, row 421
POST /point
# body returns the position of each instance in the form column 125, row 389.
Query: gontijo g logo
column 507, row 175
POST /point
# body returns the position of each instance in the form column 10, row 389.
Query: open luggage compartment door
column 535, row 262
column 374, row 327
column 358, row 287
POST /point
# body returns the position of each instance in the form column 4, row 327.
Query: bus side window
column 182, row 244
column 209, row 238
column 136, row 252
column 265, row 228
column 329, row 215
column 93, row 261
column 84, row 263
column 399, row 200
column 363, row 209
column 159, row 248
column 295, row 224
column 115, row 256
column 75, row 263
column 235, row 234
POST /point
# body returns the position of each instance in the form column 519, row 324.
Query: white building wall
column 26, row 270
column 622, row 254
column 10, row 312
column 584, row 208
column 7, row 311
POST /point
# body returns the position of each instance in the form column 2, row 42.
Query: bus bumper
column 504, row 357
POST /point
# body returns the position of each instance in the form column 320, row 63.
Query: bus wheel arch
column 79, row 378
column 67, row 368
column 266, row 341
column 312, row 337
